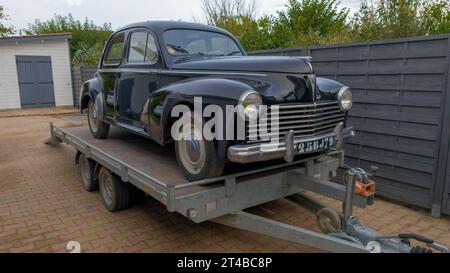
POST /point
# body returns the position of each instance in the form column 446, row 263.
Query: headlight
column 345, row 98
column 250, row 102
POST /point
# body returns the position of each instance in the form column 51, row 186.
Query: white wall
column 58, row 50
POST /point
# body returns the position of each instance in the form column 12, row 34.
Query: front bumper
column 248, row 153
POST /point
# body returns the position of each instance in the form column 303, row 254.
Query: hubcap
column 192, row 152
column 92, row 117
column 193, row 149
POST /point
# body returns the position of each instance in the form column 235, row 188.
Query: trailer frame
column 224, row 199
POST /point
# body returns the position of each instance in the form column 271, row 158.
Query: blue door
column 35, row 81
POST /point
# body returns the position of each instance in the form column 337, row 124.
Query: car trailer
column 135, row 160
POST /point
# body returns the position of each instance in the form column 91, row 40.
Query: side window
column 142, row 48
column 136, row 52
column 114, row 53
column 152, row 52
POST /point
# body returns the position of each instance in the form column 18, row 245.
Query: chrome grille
column 306, row 120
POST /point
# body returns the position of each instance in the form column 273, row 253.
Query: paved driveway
column 43, row 206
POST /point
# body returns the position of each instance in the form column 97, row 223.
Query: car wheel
column 198, row 157
column 114, row 192
column 87, row 174
column 99, row 129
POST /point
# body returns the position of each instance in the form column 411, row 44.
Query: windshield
column 184, row 42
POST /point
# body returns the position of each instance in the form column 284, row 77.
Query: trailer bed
column 154, row 170
column 138, row 152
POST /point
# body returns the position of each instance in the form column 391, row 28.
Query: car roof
column 161, row 26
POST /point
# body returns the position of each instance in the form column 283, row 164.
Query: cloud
column 73, row 2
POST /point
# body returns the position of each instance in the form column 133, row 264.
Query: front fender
column 328, row 88
column 216, row 91
column 89, row 91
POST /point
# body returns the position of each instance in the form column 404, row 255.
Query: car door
column 140, row 77
column 109, row 72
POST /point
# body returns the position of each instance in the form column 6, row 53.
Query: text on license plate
column 314, row 145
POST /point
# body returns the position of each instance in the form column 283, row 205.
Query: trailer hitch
column 406, row 237
column 343, row 225
column 374, row 242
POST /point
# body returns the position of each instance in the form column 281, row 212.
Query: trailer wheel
column 115, row 193
column 329, row 220
column 87, row 173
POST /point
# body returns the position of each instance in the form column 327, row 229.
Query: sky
column 120, row 13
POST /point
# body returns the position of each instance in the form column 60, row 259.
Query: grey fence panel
column 80, row 74
column 297, row 51
column 401, row 95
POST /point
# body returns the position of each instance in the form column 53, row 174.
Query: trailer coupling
column 341, row 231
column 357, row 182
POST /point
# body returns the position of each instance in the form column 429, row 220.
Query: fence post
column 444, row 149
column 76, row 84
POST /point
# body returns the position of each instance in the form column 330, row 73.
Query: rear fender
column 89, row 91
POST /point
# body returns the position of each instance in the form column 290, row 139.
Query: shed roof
column 38, row 37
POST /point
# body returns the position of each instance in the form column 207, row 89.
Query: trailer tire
column 114, row 192
column 87, row 173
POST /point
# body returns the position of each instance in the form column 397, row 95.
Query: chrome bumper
column 247, row 153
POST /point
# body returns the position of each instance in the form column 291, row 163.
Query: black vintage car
column 150, row 67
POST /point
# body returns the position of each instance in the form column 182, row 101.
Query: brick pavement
column 43, row 206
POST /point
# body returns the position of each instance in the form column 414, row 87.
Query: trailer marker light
column 191, row 213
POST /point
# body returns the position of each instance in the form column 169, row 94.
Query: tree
column 87, row 38
column 4, row 29
column 313, row 16
column 308, row 22
column 238, row 17
column 387, row 19
column 390, row 19
column 304, row 22
column 219, row 12
column 436, row 17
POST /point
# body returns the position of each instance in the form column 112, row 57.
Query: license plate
column 314, row 145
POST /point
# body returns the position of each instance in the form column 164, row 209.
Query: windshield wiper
column 178, row 48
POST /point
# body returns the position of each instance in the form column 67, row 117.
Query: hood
column 274, row 64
